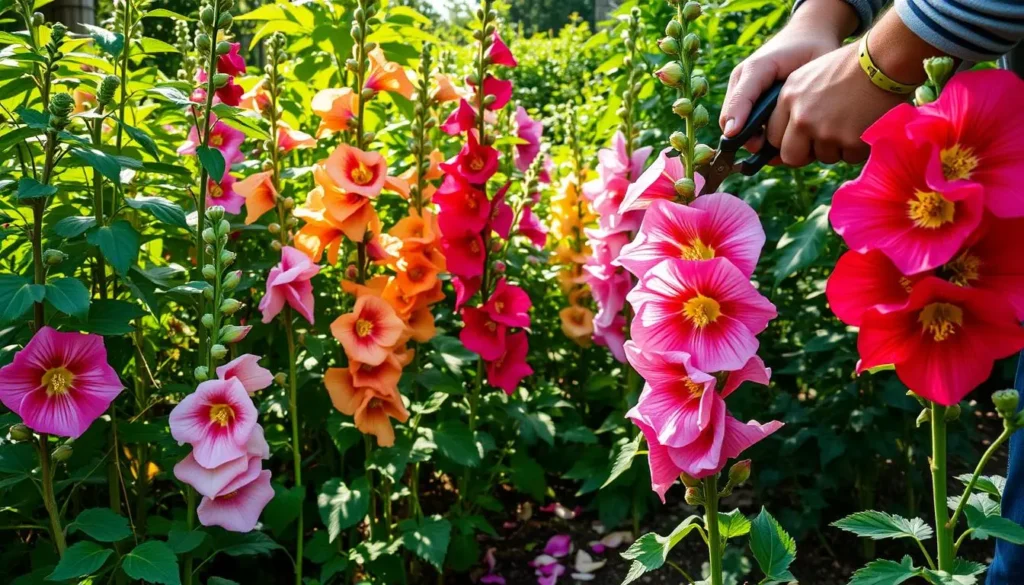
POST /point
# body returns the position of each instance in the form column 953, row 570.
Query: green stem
column 943, row 534
column 711, row 524
column 1007, row 431
column 48, row 498
column 97, row 204
column 293, row 411
column 474, row 399
column 190, row 521
column 373, row 493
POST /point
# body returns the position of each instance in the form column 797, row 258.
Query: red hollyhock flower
column 865, row 281
column 498, row 53
column 993, row 262
column 465, row 254
column 482, row 334
column 509, row 305
column 463, row 206
column 231, row 62
column 500, row 89
column 465, row 288
column 509, row 369
column 462, row 119
column 945, row 342
column 502, row 215
column 475, row 162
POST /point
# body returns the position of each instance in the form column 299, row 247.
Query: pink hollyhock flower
column 510, row 367
column 212, row 481
column 370, row 331
column 717, row 225
column 465, row 288
column 475, row 162
column 658, row 182
column 559, row 546
column 501, row 216
column 223, row 193
column 529, row 130
column 357, row 171
column 531, row 227
column 289, row 282
column 462, row 119
column 609, row 286
column 463, row 207
column 482, row 334
column 612, row 336
column 231, row 62
column 864, row 281
column 665, row 370
column 708, row 309
column 247, row 370
column 239, row 509
column 509, row 305
column 498, row 53
column 217, row 420
column 464, row 254
column 944, row 342
column 499, row 89
column 222, row 137
column 289, row 139
column 614, row 161
column 902, row 206
column 60, row 382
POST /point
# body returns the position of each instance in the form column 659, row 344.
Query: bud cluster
column 363, row 18
column 61, row 106
column 221, row 282
column 183, row 42
column 635, row 66
column 108, row 87
column 423, row 122
column 939, row 70
column 488, row 18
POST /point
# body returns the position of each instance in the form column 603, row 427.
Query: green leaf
column 733, row 524
column 183, row 541
column 650, row 551
column 623, row 459
column 29, row 188
column 17, row 294
column 879, row 525
column 69, row 296
column 119, row 243
column 151, row 46
column 112, row 43
column 802, row 243
column 528, row 475
column 144, row 140
column 152, row 561
column 80, row 559
column 428, row 538
column 993, row 527
column 221, row 581
column 284, row 508
column 107, row 165
column 774, row 549
column 250, row 543
column 213, row 161
column 102, row 524
column 172, row 94
column 456, row 442
column 17, row 458
column 74, row 226
column 18, row 136
column 992, row 485
column 111, row 317
column 884, row 572
column 163, row 209
column 341, row 506
column 164, row 13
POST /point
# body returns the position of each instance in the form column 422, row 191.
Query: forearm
column 836, row 18
column 972, row 30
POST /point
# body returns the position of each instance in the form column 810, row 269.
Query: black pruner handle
column 755, row 126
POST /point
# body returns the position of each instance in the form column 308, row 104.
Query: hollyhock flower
column 415, row 274
column 615, row 162
column 247, row 370
column 465, row 254
column 463, row 206
column 357, row 171
column 336, row 109
column 212, row 481
column 289, row 282
column 230, row 93
column 531, row 227
column 708, row 309
column 258, row 192
column 612, row 336
column 944, row 342
column 382, row 378
column 864, row 281
column 60, row 382
column 417, row 231
column 717, row 225
column 510, row 367
column 371, row 411
column 223, row 193
column 84, row 101
column 992, row 262
column 482, row 334
column 421, row 325
column 217, row 420
column 237, row 510
column 509, row 305
column 501, row 215
column 222, row 137
column 231, row 63
column 658, row 182
column 462, row 119
column 902, row 206
column 499, row 89
column 498, row 53
column 387, row 76
column 256, row 99
column 289, row 139
column 465, row 288
column 529, row 130
column 577, row 324
column 475, row 162
column 370, row 331
column 444, row 90
column 609, row 287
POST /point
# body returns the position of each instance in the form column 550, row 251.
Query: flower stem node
column 62, row 452
column 679, row 141
column 939, row 70
column 53, row 257
column 739, row 473
column 694, row 497
column 20, row 432
column 1006, row 402
column 218, row 351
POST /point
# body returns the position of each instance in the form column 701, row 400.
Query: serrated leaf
column 884, row 572
column 993, row 527
column 732, row 524
column 111, row 42
column 528, row 475
column 879, row 525
column 802, row 243
column 119, row 243
column 183, row 541
column 427, row 539
column 623, row 459
column 102, row 524
column 162, row 209
column 343, row 506
column 29, row 188
column 992, row 485
column 69, row 296
column 74, row 226
column 774, row 549
column 145, row 141
column 172, row 94
column 649, row 551
column 213, row 161
column 111, row 317
column 79, row 560
column 152, row 561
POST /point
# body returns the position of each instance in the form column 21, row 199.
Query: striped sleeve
column 866, row 11
column 973, row 30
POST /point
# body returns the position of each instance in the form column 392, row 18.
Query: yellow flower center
column 492, row 326
column 941, row 320
column 471, row 203
column 698, row 250
column 216, row 191
column 963, row 269
column 58, row 381
column 958, row 162
column 222, row 414
column 500, row 306
column 476, row 163
column 362, row 175
column 216, row 140
column 702, row 310
column 474, row 247
column 930, row 210
column 696, row 390
column 363, row 327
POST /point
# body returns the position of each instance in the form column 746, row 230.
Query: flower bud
column 201, row 373
column 939, row 69
column 209, row 272
column 223, row 227
column 499, row 267
column 206, row 15
column 669, row 46
column 230, row 306
column 1006, row 402
column 53, row 257
column 924, row 95
column 61, row 106
column 21, row 432
column 678, row 141
column 209, row 236
column 233, row 333
column 691, row 44
column 223, row 48
column 674, row 28
column 232, row 279
column 691, row 10
column 38, row 19
column 953, row 413
column 350, row 272
column 690, row 481
column 694, row 497
column 699, row 86
column 280, row 378
column 739, row 473
column 288, row 203
column 495, row 246
column 208, row 293
column 702, row 153
column 215, row 213
column 685, row 187
column 62, row 452
column 207, row 320
column 670, row 74
column 218, row 351
column 203, row 42
column 220, row 80
column 276, row 245
column 227, row 257
column 274, row 228
column 682, row 107
column 108, row 87
column 225, row 20
column 700, row 116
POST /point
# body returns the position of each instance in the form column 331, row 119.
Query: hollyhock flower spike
column 529, row 130
column 498, row 53
column 336, row 109
column 371, row 411
column 482, row 334
column 230, row 93
column 237, row 510
column 658, row 182
column 370, row 331
column 501, row 216
column 60, row 382
column 465, row 255
column 289, row 282
column 721, row 312
column 217, row 420
column 258, row 192
column 232, row 63
column 509, row 369
column 246, row 369
column 463, row 206
column 944, row 342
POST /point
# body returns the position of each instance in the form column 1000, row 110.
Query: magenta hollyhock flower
column 217, row 420
column 289, row 282
column 707, row 308
column 465, row 288
column 482, row 334
column 864, row 281
column 60, row 382
column 247, row 370
column 462, row 119
column 509, row 368
column 531, row 227
column 717, row 225
column 499, row 89
column 529, row 130
column 464, row 254
column 463, row 207
column 232, row 62
column 223, row 193
column 612, row 336
column 230, row 93
column 239, row 506
column 501, row 216
column 658, row 182
column 476, row 162
column 222, row 137
column 609, row 286
column 498, row 53
column 212, row 481
column 509, row 305
column 614, row 162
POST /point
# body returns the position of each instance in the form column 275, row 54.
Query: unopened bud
column 209, row 272
column 38, row 19
column 227, row 257
column 57, row 33
column 53, row 257
column 700, row 116
column 223, row 48
column 218, row 351
column 225, row 20
column 232, row 279
column 61, row 106
column 939, row 70
column 201, row 373
column 233, row 333
column 682, row 107
column 678, row 141
column 924, row 95
column 207, row 321
column 496, row 246
column 288, row 203
column 215, row 213
column 108, row 87
column 674, row 28
column 685, row 188
column 223, row 227
column 691, row 10
column 274, row 228
column 690, row 481
column 203, row 42
column 230, row 306
column 671, row 74
column 669, row 46
column 351, row 273
column 1006, row 402
column 691, row 44
column 694, row 497
column 953, row 413
column 367, row 94
column 280, row 378
column 220, row 80
column 21, row 432
column 209, row 236
column 62, row 452
column 276, row 245
column 499, row 267
column 206, row 15
column 699, row 86
column 739, row 473
column 702, row 153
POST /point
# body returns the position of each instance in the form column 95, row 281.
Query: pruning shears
column 724, row 162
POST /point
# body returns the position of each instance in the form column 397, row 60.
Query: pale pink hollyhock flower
column 665, row 369
column 223, row 193
column 289, row 282
column 509, row 305
column 481, row 334
column 212, row 481
column 529, row 130
column 531, row 227
column 614, row 162
column 239, row 507
column 508, row 369
column 217, row 420
column 612, row 336
column 222, row 137
column 370, row 331
column 717, row 225
column 609, row 286
column 658, row 182
column 60, row 382
column 247, row 370
column 708, row 309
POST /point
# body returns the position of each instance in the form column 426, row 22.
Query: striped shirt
column 973, row 30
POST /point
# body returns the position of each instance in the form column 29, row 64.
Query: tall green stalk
column 711, row 525
column 943, row 531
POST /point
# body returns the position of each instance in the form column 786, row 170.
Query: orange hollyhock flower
column 372, row 411
column 385, row 249
column 260, row 195
column 445, row 90
column 416, row 231
column 83, row 101
column 356, row 171
column 415, row 274
column 383, row 377
column 422, row 325
column 433, row 296
column 256, row 99
column 289, row 139
column 387, row 76
column 370, row 331
column 373, row 287
column 411, row 175
column 323, row 231
column 578, row 324
column 336, row 108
